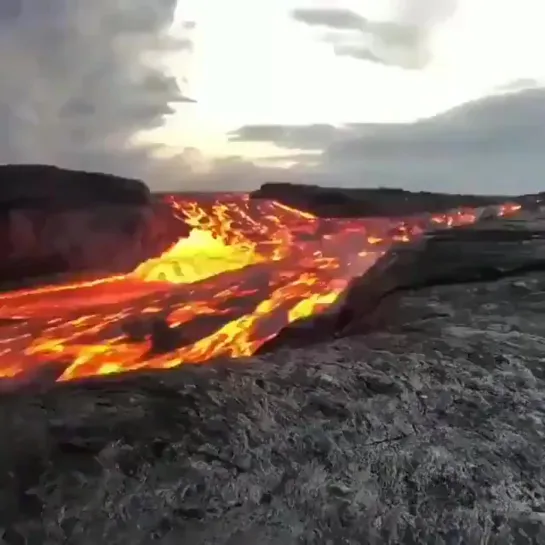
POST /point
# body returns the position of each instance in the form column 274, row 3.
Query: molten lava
column 247, row 269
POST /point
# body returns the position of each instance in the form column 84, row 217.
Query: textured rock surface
column 428, row 431
column 56, row 221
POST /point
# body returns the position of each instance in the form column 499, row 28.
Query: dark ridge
column 39, row 186
column 358, row 202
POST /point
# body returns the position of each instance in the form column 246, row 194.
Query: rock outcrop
column 352, row 202
column 33, row 186
column 55, row 221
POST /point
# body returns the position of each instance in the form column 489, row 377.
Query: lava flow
column 246, row 270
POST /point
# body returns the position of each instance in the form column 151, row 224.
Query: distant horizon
column 226, row 191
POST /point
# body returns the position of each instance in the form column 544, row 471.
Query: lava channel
column 246, row 270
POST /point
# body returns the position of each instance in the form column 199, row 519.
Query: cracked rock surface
column 430, row 431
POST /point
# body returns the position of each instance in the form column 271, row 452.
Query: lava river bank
column 247, row 269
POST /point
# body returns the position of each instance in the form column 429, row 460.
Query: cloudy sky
column 424, row 94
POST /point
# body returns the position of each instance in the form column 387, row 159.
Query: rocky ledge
column 427, row 429
column 36, row 186
column 354, row 202
column 56, row 221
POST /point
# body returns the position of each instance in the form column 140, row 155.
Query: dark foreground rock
column 55, row 221
column 429, row 431
column 379, row 202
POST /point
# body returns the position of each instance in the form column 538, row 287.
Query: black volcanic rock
column 39, row 186
column 359, row 202
column 61, row 222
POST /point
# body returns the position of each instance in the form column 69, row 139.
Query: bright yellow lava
column 199, row 256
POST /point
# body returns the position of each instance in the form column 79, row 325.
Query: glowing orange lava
column 247, row 268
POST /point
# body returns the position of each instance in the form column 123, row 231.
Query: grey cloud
column 79, row 80
column 520, row 84
column 301, row 158
column 10, row 10
column 493, row 145
column 307, row 137
column 227, row 174
column 489, row 146
column 341, row 19
column 402, row 41
column 357, row 51
column 389, row 44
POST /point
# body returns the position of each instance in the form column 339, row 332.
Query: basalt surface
column 427, row 429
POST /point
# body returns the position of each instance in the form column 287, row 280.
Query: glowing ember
column 246, row 270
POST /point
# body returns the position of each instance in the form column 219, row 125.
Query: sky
column 441, row 95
